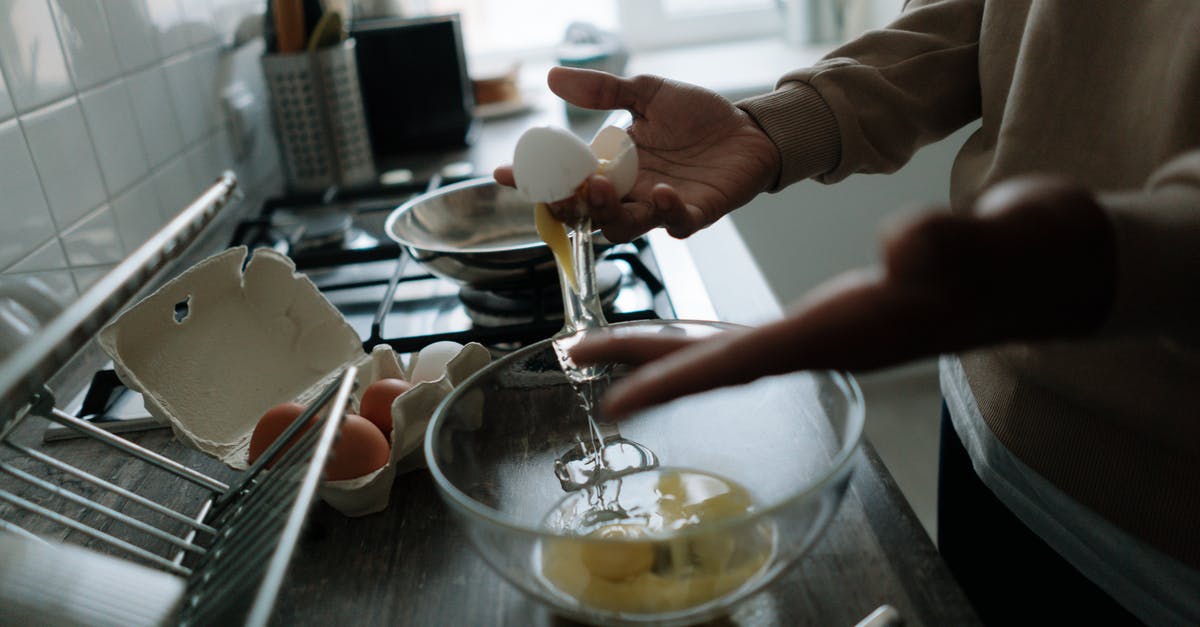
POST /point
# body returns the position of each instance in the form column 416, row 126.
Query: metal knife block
column 317, row 108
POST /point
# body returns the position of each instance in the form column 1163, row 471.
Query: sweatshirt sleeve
column 870, row 104
column 1157, row 234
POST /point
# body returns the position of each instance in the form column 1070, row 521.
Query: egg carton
column 215, row 348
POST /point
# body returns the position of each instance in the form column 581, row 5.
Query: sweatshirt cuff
column 803, row 127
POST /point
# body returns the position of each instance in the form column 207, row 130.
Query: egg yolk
column 640, row 563
column 554, row 234
column 618, row 560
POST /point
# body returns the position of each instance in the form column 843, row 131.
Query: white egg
column 430, row 363
column 549, row 164
column 614, row 146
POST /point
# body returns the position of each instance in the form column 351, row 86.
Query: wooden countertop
column 413, row 565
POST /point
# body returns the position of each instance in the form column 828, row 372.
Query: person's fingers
column 635, row 219
column 857, row 321
column 686, row 370
column 504, row 176
column 598, row 200
column 620, row 222
column 1028, row 191
column 592, row 89
column 632, row 350
column 567, row 211
column 602, row 202
column 1049, row 241
column 930, row 247
column 679, row 218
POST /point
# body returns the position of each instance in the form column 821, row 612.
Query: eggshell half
column 550, row 163
column 614, row 145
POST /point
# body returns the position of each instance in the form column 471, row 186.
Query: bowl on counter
column 477, row 233
column 747, row 478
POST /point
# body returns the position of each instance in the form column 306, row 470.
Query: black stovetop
column 338, row 241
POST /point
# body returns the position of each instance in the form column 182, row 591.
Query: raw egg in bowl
column 671, row 516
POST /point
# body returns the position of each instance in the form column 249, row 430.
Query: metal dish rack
column 200, row 551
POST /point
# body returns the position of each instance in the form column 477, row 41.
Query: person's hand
column 699, row 156
column 1036, row 261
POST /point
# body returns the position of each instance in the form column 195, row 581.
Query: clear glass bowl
column 788, row 440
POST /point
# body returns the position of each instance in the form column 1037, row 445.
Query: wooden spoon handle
column 289, row 25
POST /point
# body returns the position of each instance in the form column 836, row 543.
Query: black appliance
column 416, row 89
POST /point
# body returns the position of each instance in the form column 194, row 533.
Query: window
column 664, row 23
column 511, row 28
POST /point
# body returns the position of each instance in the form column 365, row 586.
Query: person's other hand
column 699, row 156
column 1036, row 261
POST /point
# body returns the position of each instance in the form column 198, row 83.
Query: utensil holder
column 319, row 119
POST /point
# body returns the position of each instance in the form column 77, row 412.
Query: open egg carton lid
column 212, row 350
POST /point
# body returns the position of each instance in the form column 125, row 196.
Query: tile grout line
column 154, row 170
column 75, row 94
column 87, row 129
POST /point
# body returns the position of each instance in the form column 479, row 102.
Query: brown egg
column 271, row 426
column 376, row 404
column 359, row 450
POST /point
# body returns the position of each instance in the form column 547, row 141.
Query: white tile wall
column 6, row 107
column 156, row 118
column 83, row 32
column 172, row 184
column 198, row 20
column 94, row 240
column 114, row 129
column 86, row 277
column 135, row 39
column 110, row 123
column 48, row 264
column 49, row 256
column 137, row 214
column 23, row 213
column 187, row 93
column 30, row 56
column 66, row 162
column 167, row 18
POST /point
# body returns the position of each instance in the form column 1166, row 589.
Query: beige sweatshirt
column 1108, row 93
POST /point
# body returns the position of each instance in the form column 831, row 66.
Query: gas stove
column 337, row 240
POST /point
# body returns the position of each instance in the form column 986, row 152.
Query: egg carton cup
column 216, row 347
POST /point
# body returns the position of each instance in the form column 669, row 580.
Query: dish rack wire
column 219, row 560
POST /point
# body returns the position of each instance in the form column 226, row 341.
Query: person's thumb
column 591, row 89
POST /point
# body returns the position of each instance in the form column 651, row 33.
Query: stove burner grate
column 498, row 307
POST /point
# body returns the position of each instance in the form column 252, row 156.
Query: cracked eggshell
column 550, row 163
column 618, row 156
column 249, row 341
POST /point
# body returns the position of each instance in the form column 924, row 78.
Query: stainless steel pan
column 476, row 232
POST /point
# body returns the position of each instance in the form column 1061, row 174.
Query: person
column 1063, row 289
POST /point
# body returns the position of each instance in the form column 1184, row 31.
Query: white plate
column 521, row 104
